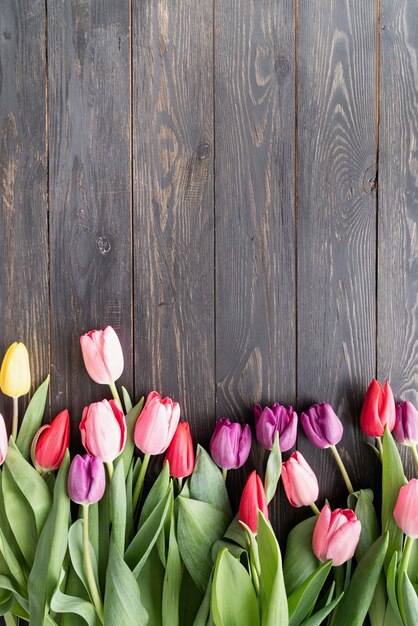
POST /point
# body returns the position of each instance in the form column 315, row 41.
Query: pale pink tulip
column 299, row 481
column 156, row 424
column 336, row 535
column 102, row 354
column 103, row 430
column 406, row 507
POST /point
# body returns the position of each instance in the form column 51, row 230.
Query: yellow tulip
column 15, row 371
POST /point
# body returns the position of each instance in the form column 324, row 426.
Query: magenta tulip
column 406, row 424
column 277, row 419
column 102, row 354
column 406, row 507
column 321, row 425
column 103, row 430
column 230, row 444
column 86, row 479
column 299, row 481
column 336, row 535
column 156, row 424
column 4, row 444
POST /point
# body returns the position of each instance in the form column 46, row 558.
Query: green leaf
column 190, row 600
column 30, row 483
column 273, row 470
column 391, row 587
column 410, row 601
column 7, row 531
column 318, row 618
column 299, row 559
column 63, row 603
column 393, row 479
column 6, row 604
column 10, row 585
column 122, row 606
column 199, row 525
column 207, row 483
column 237, row 551
column 274, row 609
column 157, row 492
column 304, row 598
column 104, row 536
column 203, row 613
column 32, row 419
column 150, row 582
column 118, row 507
column 75, row 548
column 13, row 564
column 126, row 400
column 51, row 550
column 234, row 602
column 236, row 533
column 172, row 581
column 128, row 451
column 129, row 532
column 354, row 605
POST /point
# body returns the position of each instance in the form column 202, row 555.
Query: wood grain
column 255, row 228
column 337, row 225
column 23, row 186
column 173, row 204
column 90, row 190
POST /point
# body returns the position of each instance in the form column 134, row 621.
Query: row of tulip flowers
column 178, row 556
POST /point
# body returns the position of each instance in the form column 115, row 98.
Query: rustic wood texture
column 173, row 205
column 23, row 186
column 337, row 225
column 89, row 189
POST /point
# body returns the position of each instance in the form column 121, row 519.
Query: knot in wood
column 103, row 245
column 202, row 151
column 282, row 66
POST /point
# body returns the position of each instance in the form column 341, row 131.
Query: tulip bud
column 86, row 479
column 299, row 481
column 378, row 409
column 180, row 453
column 336, row 535
column 156, row 424
column 406, row 507
column 230, row 444
column 103, row 356
column 4, row 444
column 277, row 419
column 253, row 499
column 15, row 371
column 406, row 424
column 322, row 426
column 50, row 443
column 103, row 430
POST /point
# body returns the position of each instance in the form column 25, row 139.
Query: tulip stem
column 180, row 483
column 414, row 454
column 315, row 508
column 15, row 418
column 402, row 569
column 224, row 473
column 342, row 469
column 110, row 469
column 88, row 567
column 380, row 446
column 140, row 481
column 115, row 393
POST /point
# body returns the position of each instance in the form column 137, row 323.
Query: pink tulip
column 156, row 424
column 336, row 535
column 4, row 445
column 102, row 354
column 299, row 481
column 406, row 507
column 103, row 430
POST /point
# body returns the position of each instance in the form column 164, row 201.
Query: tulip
column 406, row 507
column 406, row 424
column 321, row 425
column 15, row 377
column 103, row 357
column 156, row 424
column 336, row 535
column 253, row 499
column 4, row 444
column 103, row 430
column 86, row 479
column 180, row 453
column 378, row 409
column 50, row 443
column 230, row 444
column 299, row 481
column 277, row 419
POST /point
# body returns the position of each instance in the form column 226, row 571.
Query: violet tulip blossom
column 322, row 426
column 406, row 424
column 277, row 419
column 230, row 444
column 86, row 479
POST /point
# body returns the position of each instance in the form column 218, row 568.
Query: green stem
column 9, row 619
column 414, row 454
column 342, row 469
column 88, row 567
column 180, row 483
column 402, row 569
column 110, row 469
column 380, row 446
column 15, row 418
column 140, row 481
column 224, row 473
column 339, row 587
column 315, row 508
column 115, row 393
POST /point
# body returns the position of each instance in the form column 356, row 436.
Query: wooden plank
column 255, row 228
column 397, row 347
column 337, row 224
column 90, row 189
column 23, row 186
column 173, row 204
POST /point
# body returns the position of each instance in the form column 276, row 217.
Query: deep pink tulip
column 103, row 430
column 277, row 419
column 321, row 425
column 230, row 444
column 406, row 507
column 299, row 481
column 406, row 424
column 50, row 443
column 86, row 479
column 336, row 535
column 253, row 499
column 102, row 354
column 378, row 409
column 4, row 443
column 156, row 424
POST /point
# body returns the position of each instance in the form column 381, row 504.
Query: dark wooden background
column 233, row 186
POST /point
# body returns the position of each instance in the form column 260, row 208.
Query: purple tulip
column 406, row 424
column 277, row 419
column 322, row 426
column 230, row 444
column 86, row 479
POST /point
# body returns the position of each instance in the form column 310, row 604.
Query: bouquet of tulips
column 82, row 541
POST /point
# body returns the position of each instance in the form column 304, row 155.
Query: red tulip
column 156, row 424
column 4, row 444
column 299, row 481
column 253, row 499
column 102, row 354
column 406, row 507
column 378, row 409
column 103, row 430
column 336, row 535
column 180, row 453
column 50, row 443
